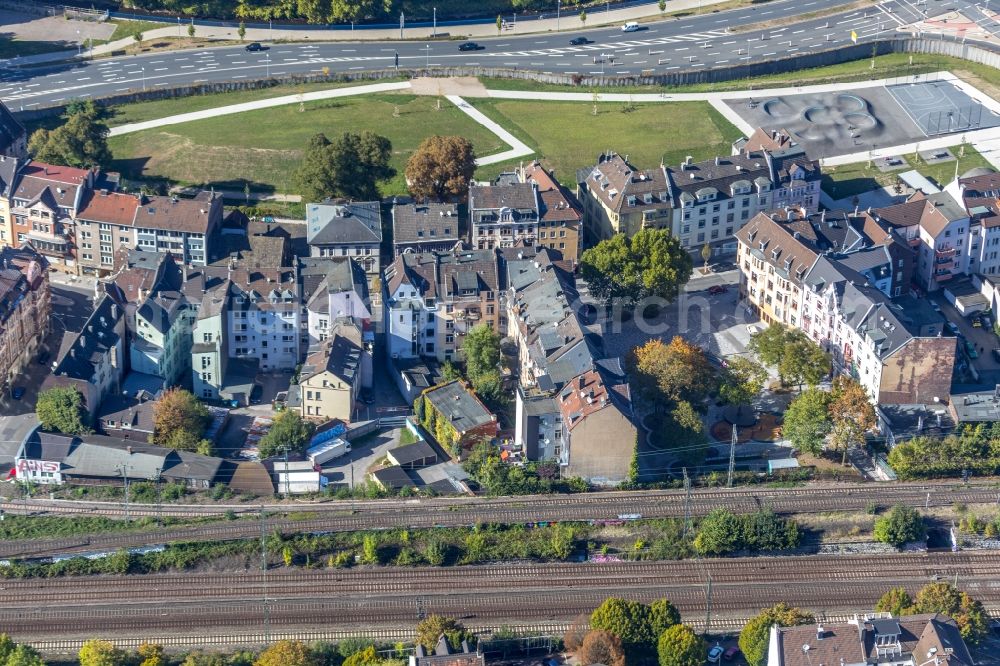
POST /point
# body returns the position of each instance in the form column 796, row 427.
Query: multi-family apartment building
column 333, row 289
column 572, row 405
column 95, row 361
column 43, row 207
column 351, row 229
column 25, row 309
column 618, row 198
column 560, row 222
column 432, row 300
column 893, row 347
column 9, row 166
column 104, row 226
column 332, row 377
column 699, row 202
column 503, row 213
column 182, row 227
column 424, row 227
column 13, row 135
column 978, row 191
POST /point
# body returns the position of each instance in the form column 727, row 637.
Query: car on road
column 731, row 653
column 715, row 653
column 976, row 321
column 43, row 358
column 17, row 392
column 970, row 349
column 754, row 329
column 253, row 47
column 255, row 394
column 718, row 289
column 631, row 26
column 952, row 327
column 579, row 41
column 470, row 46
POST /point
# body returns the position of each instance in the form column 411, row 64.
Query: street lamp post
column 267, row 64
column 427, row 52
column 178, row 26
column 558, row 10
column 434, row 32
column 143, row 70
column 79, row 44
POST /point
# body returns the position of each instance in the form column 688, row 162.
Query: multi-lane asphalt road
column 708, row 40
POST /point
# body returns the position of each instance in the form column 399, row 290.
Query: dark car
column 470, row 46
column 17, row 392
column 43, row 358
column 254, row 46
column 718, row 289
column 367, row 396
column 996, row 355
column 255, row 394
column 579, row 41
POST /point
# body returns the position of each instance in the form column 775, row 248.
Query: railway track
column 456, row 512
column 288, row 583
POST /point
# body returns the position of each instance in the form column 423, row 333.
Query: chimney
column 819, row 632
column 83, row 341
column 114, row 311
column 718, row 160
column 581, row 382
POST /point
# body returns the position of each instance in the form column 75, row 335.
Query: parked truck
column 331, row 449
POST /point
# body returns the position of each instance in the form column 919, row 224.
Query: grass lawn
column 850, row 179
column 126, row 28
column 569, row 137
column 216, row 152
column 896, row 64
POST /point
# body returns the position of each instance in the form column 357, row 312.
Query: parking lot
column 350, row 469
column 984, row 339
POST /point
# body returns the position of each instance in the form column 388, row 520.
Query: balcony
column 943, row 276
column 914, row 242
column 946, row 252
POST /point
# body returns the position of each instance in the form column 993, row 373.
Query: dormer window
column 763, row 245
column 788, row 264
column 775, row 253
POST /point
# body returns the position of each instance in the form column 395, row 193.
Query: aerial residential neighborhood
column 511, row 332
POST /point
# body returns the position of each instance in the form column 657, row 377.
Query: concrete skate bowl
column 828, row 120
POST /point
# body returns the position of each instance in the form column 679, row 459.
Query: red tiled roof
column 113, row 208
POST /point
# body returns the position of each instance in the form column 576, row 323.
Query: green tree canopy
column 851, row 413
column 100, row 653
column 719, row 533
column 662, row 616
column 350, row 166
column 288, row 431
column 60, row 409
column 628, row 620
column 431, row 628
column 755, row 635
column 902, row 524
column 151, row 654
column 742, row 380
column 81, row 141
column 807, row 420
column 673, row 372
column 650, row 263
column 285, row 653
column 798, row 359
column 896, row 601
column 24, row 655
column 482, row 361
column 441, row 168
column 680, row 646
column 179, row 419
column 968, row 613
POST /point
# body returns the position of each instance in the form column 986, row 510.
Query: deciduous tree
column 151, row 654
column 285, row 653
column 674, row 372
column 896, row 601
column 289, row 431
column 680, row 646
column 807, row 421
column 81, row 141
column 968, row 613
column 178, row 411
column 851, row 413
column 662, row 616
column 628, row 620
column 441, row 168
column 754, row 637
column 349, row 166
column 650, row 263
column 742, row 380
column 481, row 348
column 798, row 359
column 100, row 653
column 24, row 655
column 431, row 628
column 902, row 524
column 60, row 409
column 601, row 647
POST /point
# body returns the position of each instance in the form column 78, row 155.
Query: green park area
column 217, row 152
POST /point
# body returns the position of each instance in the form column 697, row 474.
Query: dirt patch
column 466, row 86
column 978, row 82
column 28, row 27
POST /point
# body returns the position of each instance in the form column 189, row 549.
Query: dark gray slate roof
column 11, row 131
column 411, row 453
column 105, row 457
column 460, row 406
column 97, row 337
column 424, row 223
column 333, row 224
column 393, row 478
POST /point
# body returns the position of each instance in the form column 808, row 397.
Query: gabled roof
column 354, row 222
column 424, row 223
column 460, row 405
column 518, row 196
column 55, row 186
column 97, row 336
column 556, row 204
column 445, row 274
column 619, row 185
column 603, row 387
column 787, row 250
column 109, row 207
column 12, row 132
column 184, row 215
column 340, row 355
column 8, row 174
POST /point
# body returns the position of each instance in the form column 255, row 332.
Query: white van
column 631, row 26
